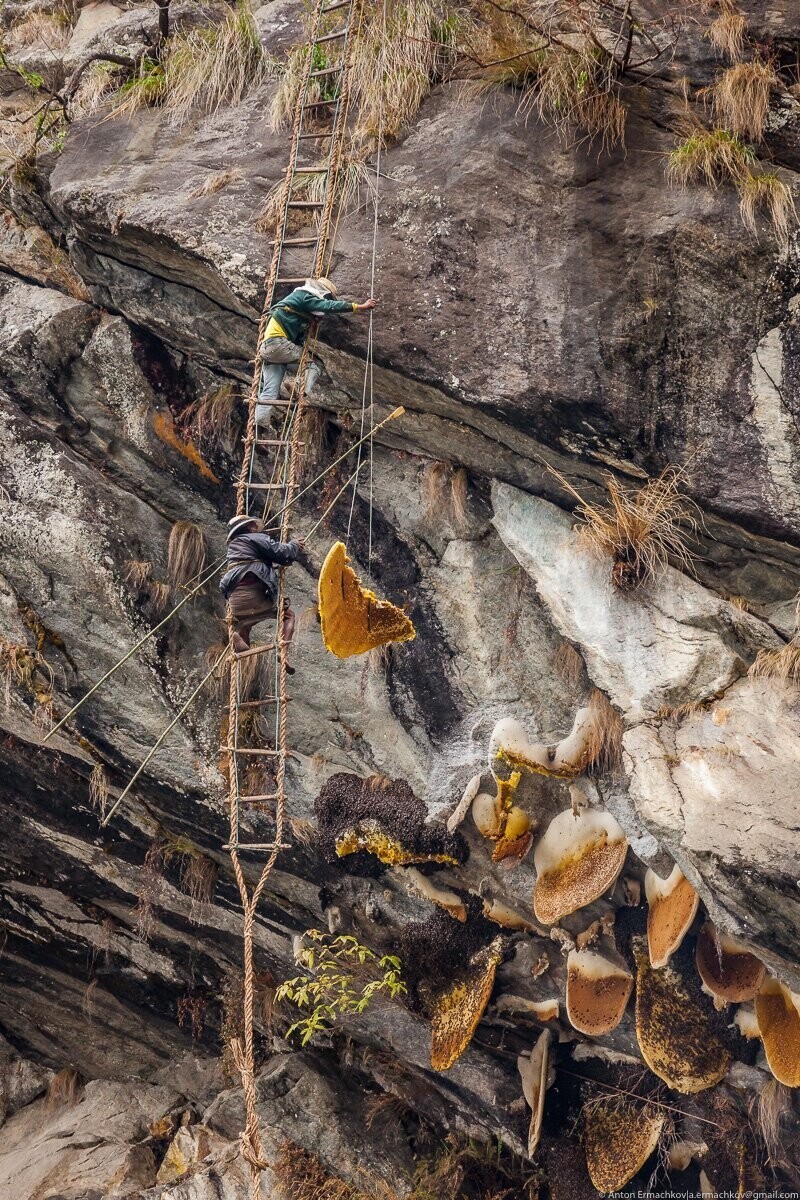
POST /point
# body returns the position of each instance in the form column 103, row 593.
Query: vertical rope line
column 269, row 289
column 243, row 1049
column 370, row 342
column 368, row 367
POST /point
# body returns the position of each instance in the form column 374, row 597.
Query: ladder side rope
column 243, row 1048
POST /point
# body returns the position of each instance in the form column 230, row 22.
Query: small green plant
column 710, row 156
column 343, row 977
column 717, row 156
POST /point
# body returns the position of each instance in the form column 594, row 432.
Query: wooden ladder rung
column 294, row 282
column 272, row 403
column 266, row 487
column 320, row 104
column 266, row 700
column 303, row 137
column 333, row 7
column 325, row 71
column 249, row 750
column 304, row 204
column 331, row 37
column 258, row 799
column 306, row 241
column 264, row 649
column 310, row 171
column 274, row 442
column 256, row 846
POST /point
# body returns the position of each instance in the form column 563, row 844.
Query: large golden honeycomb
column 353, row 619
column 459, row 1008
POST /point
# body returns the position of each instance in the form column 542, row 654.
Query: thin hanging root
column 243, row 1047
column 156, row 744
column 212, row 571
column 396, row 412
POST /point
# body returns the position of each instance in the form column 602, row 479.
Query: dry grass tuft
column 146, row 88
column 301, row 1176
column 445, row 490
column 740, row 98
column 379, row 783
column 98, row 789
column 17, row 665
column 213, row 67
column 302, row 831
column 201, row 71
column 50, row 29
column 63, row 1090
column 216, row 182
column 712, row 157
column 499, row 49
column 769, row 1111
column 88, row 999
column 604, row 748
column 137, row 574
column 727, row 32
column 186, row 553
column 214, row 419
column 782, row 664
column 414, row 52
column 199, row 878
column 153, row 594
column 313, row 436
column 151, row 880
column 575, row 89
column 352, row 181
column 569, row 664
column 98, row 83
column 768, row 193
column 254, row 674
column 642, row 531
column 677, row 713
column 459, row 492
column 159, row 595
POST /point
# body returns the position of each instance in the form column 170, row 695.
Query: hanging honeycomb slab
column 386, row 846
column 458, row 1009
column 353, row 619
column 675, row 1030
column 618, row 1140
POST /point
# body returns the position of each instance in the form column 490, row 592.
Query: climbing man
column 286, row 334
column 250, row 584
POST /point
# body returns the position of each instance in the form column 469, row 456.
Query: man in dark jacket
column 250, row 583
column 286, row 333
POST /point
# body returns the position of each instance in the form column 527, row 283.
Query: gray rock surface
column 540, row 303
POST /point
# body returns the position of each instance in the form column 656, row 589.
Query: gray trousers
column 276, row 355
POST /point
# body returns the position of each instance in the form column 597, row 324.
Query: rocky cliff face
column 541, row 303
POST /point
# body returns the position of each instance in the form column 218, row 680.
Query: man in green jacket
column 286, row 335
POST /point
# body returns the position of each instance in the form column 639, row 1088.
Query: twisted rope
column 242, row 1049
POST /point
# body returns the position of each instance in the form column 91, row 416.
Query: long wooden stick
column 396, row 412
column 212, row 572
column 156, row 744
column 217, row 566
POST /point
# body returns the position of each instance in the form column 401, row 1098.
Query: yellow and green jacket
column 293, row 315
